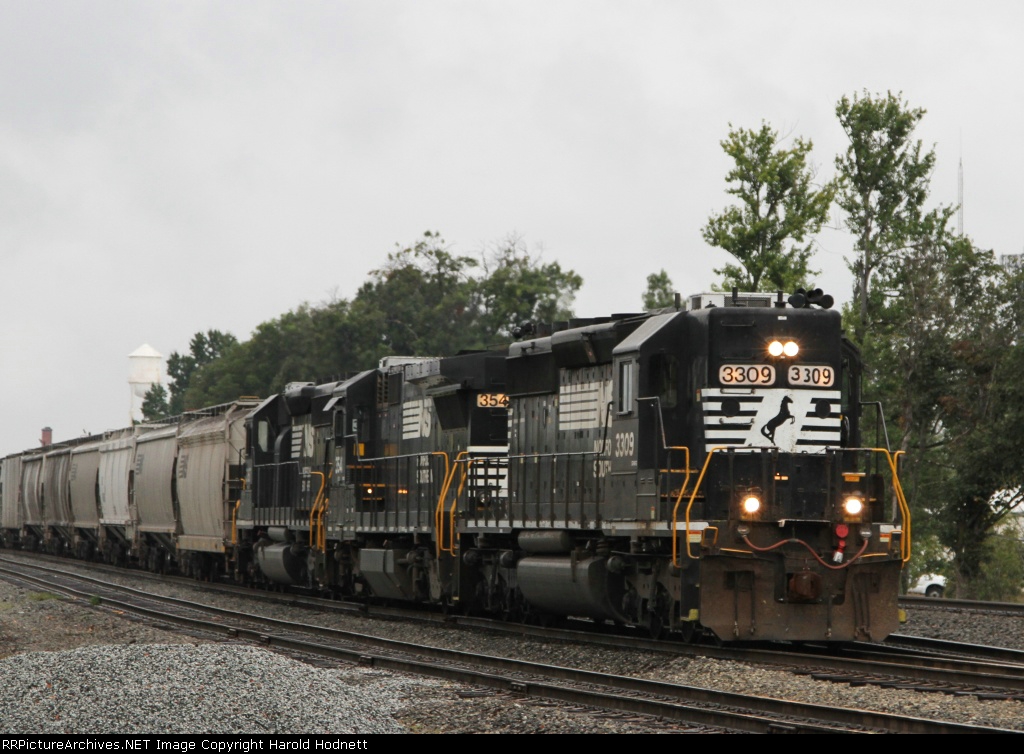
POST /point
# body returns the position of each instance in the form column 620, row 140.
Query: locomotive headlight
column 751, row 504
column 777, row 348
column 853, row 506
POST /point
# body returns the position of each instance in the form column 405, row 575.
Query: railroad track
column 980, row 652
column 909, row 663
column 670, row 703
column 947, row 603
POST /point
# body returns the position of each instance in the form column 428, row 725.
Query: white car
column 930, row 585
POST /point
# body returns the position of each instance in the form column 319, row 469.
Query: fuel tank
column 280, row 564
column 572, row 586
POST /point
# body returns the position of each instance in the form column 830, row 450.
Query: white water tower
column 145, row 367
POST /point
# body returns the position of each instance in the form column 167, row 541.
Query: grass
column 42, row 596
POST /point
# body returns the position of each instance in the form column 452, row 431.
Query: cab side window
column 626, row 393
column 664, row 379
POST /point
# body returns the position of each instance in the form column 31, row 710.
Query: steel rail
column 927, row 668
column 680, row 704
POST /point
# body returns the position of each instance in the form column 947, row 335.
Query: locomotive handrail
column 403, row 456
column 881, row 422
column 234, row 522
column 901, row 498
column 321, row 505
column 656, row 399
column 321, row 529
column 891, row 459
column 234, row 512
column 449, row 472
column 466, row 463
column 553, row 455
column 367, row 463
column 517, row 465
column 316, row 504
column 439, row 510
column 689, row 505
column 679, row 499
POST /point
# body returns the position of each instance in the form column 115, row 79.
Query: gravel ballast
column 181, row 688
column 285, row 696
column 111, row 674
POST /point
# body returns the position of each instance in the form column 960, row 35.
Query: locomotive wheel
column 510, row 610
column 655, row 613
column 505, row 599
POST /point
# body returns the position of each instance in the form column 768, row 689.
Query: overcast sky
column 170, row 167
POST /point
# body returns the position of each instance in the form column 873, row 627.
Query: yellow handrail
column 439, row 511
column 901, row 498
column 679, row 499
column 321, row 542
column 234, row 522
column 321, row 515
column 689, row 505
column 316, row 504
column 891, row 459
column 234, row 513
column 451, row 512
column 439, row 508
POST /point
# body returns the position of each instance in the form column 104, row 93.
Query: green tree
column 945, row 353
column 422, row 302
column 660, row 292
column 316, row 343
column 518, row 288
column 154, row 403
column 930, row 556
column 204, row 348
column 1002, row 570
column 981, row 417
column 884, row 180
column 778, row 208
column 425, row 300
column 937, row 323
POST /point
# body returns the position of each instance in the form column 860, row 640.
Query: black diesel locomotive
column 690, row 471
column 698, row 471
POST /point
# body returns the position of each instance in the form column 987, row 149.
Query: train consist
column 697, row 470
